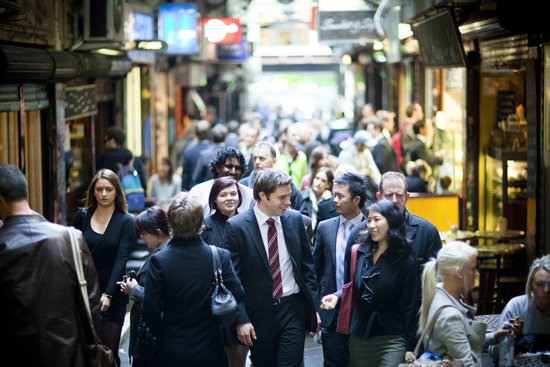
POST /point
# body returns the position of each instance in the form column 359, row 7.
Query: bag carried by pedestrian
column 224, row 304
column 131, row 186
column 430, row 359
column 96, row 354
column 348, row 297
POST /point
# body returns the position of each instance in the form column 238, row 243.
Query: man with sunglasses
column 230, row 162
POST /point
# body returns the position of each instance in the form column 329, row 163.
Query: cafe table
column 448, row 236
column 499, row 235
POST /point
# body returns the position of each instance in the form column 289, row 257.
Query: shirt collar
column 355, row 220
column 261, row 217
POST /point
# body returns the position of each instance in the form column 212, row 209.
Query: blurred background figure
column 357, row 153
column 319, row 158
column 320, row 190
column 418, row 174
column 164, row 185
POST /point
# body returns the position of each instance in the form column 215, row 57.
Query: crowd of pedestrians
column 286, row 215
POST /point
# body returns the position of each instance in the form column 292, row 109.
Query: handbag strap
column 216, row 265
column 353, row 261
column 429, row 329
column 79, row 268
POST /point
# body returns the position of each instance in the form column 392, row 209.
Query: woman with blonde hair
column 110, row 233
column 455, row 333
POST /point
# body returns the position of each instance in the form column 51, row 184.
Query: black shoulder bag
column 224, row 304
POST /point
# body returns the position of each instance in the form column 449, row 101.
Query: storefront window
column 445, row 106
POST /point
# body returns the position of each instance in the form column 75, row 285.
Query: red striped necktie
column 273, row 248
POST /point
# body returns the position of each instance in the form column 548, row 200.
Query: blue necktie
column 341, row 253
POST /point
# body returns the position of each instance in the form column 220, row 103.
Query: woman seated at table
column 533, row 308
column 455, row 333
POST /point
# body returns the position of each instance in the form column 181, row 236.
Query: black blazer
column 111, row 255
column 177, row 303
column 324, row 257
column 387, row 295
column 244, row 240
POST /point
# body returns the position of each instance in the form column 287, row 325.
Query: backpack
column 131, row 186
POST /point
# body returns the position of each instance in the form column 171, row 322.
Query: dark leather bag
column 224, row 304
column 97, row 354
column 348, row 297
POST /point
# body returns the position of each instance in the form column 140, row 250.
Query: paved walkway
column 313, row 353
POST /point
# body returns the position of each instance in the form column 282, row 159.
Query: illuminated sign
column 236, row 52
column 222, row 30
column 177, row 26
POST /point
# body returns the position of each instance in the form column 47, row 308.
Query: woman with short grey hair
column 180, row 282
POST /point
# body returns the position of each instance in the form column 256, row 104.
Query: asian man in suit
column 271, row 253
column 328, row 256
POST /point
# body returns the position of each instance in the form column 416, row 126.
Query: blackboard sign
column 81, row 101
column 506, row 104
column 346, row 26
column 439, row 41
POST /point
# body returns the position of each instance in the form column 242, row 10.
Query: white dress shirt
column 290, row 286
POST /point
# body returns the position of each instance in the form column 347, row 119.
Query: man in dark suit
column 271, row 253
column 191, row 154
column 423, row 234
column 328, row 256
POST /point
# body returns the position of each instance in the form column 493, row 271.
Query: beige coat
column 455, row 332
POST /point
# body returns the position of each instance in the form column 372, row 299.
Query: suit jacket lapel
column 333, row 237
column 287, row 230
column 253, row 230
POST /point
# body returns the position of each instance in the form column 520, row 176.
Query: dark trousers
column 283, row 344
column 335, row 346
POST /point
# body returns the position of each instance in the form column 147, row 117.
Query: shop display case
column 506, row 188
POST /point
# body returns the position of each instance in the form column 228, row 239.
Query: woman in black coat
column 225, row 197
column 152, row 225
column 387, row 291
column 110, row 233
column 177, row 301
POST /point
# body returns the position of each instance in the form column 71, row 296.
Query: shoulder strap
column 82, row 280
column 353, row 261
column 216, row 265
column 429, row 329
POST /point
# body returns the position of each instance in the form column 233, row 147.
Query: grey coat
column 455, row 332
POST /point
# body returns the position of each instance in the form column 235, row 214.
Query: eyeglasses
column 230, row 166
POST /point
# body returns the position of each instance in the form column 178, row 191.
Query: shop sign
column 237, row 52
column 346, row 26
column 81, row 101
column 222, row 30
column 177, row 26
